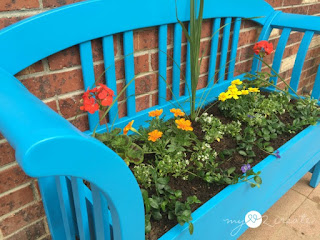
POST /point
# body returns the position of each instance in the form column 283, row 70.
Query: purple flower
column 250, row 116
column 245, row 168
column 277, row 154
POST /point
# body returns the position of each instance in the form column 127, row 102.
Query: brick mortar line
column 23, row 228
column 14, row 190
column 45, row 236
column 18, row 209
column 22, row 12
column 297, row 5
column 40, row 4
column 7, row 166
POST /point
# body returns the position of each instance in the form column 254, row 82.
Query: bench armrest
column 48, row 145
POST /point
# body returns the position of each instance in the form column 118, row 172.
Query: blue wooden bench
column 50, row 149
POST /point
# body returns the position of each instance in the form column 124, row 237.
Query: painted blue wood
column 129, row 72
column 297, row 22
column 278, row 177
column 101, row 218
column 264, row 35
column 24, row 113
column 234, row 47
column 90, row 21
column 315, row 179
column 224, row 49
column 88, row 76
column 81, row 208
column 53, row 211
column 301, row 56
column 214, row 51
column 109, row 66
column 279, row 53
column 162, row 78
column 66, row 207
column 177, row 38
column 316, row 87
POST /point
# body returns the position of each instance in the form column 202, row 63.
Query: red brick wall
column 58, row 82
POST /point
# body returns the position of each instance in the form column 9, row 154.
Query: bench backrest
column 79, row 24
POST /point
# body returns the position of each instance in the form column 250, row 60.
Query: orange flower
column 184, row 124
column 177, row 112
column 155, row 113
column 128, row 127
column 154, row 135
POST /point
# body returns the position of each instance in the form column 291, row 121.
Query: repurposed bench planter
column 50, row 149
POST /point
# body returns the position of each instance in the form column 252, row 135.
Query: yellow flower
column 234, row 94
column 184, row 124
column 177, row 112
column 128, row 127
column 244, row 92
column 236, row 82
column 154, row 135
column 233, row 87
column 155, row 113
column 253, row 89
column 224, row 96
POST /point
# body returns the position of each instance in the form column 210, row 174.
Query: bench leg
column 315, row 179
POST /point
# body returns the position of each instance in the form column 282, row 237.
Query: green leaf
column 269, row 149
column 191, row 228
column 178, row 193
column 116, row 131
column 243, row 153
column 157, row 216
column 258, row 179
column 153, row 203
column 186, row 213
column 231, row 170
column 163, row 181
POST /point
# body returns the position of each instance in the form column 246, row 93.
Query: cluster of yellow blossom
column 234, row 92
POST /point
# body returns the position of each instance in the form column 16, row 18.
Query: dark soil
column 203, row 190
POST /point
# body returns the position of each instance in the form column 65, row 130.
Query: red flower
column 105, row 95
column 89, row 103
column 263, row 45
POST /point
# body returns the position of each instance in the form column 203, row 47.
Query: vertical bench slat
column 81, row 208
column 100, row 212
column 301, row 55
column 214, row 51
column 66, row 209
column 279, row 53
column 109, row 65
column 187, row 91
column 129, row 72
column 264, row 35
column 224, row 49
column 234, row 47
column 162, row 78
column 316, row 87
column 177, row 38
column 88, row 77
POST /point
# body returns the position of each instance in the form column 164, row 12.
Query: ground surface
column 295, row 216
